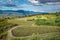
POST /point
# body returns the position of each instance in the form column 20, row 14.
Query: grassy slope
column 24, row 23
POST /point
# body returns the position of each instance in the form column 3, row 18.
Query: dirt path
column 10, row 34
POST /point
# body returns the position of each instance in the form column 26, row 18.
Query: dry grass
column 27, row 31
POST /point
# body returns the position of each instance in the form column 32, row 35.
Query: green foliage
column 3, row 35
column 52, row 22
column 33, row 37
column 15, row 39
column 3, row 22
column 44, row 22
column 18, row 38
column 40, row 21
column 53, row 38
column 57, row 20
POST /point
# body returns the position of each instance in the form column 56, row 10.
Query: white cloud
column 35, row 2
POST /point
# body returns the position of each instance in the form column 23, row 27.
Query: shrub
column 44, row 22
column 40, row 21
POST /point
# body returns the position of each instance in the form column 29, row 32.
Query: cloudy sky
column 31, row 5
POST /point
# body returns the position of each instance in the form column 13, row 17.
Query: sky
column 31, row 5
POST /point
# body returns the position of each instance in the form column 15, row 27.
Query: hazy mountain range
column 18, row 13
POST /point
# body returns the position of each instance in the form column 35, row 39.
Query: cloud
column 35, row 2
column 44, row 2
column 8, row 3
column 52, row 3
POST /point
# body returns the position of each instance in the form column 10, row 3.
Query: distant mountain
column 19, row 12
